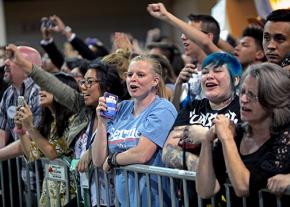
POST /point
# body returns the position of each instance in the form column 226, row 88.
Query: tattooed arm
column 172, row 154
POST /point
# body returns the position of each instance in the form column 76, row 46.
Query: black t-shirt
column 199, row 112
column 272, row 158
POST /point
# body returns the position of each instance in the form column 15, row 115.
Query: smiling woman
column 221, row 73
column 250, row 154
column 51, row 139
column 82, row 104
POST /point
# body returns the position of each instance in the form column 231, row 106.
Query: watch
column 67, row 29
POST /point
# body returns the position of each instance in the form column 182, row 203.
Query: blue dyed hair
column 233, row 65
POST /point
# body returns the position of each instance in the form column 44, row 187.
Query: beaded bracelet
column 112, row 161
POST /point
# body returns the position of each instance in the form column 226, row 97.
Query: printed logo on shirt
column 124, row 138
column 206, row 120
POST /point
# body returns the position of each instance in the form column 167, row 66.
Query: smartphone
column 47, row 23
column 111, row 102
column 20, row 101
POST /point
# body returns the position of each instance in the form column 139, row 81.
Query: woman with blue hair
column 249, row 155
column 233, row 65
column 221, row 73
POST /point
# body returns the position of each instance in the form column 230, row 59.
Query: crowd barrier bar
column 138, row 170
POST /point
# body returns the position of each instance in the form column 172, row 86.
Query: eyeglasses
column 88, row 82
column 250, row 96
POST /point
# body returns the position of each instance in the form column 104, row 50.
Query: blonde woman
column 138, row 132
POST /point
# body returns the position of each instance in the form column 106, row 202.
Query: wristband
column 112, row 161
column 19, row 131
column 67, row 29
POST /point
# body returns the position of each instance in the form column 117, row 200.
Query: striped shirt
column 9, row 102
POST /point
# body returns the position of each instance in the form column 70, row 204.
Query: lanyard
column 90, row 140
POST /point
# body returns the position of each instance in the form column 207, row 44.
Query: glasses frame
column 250, row 97
column 88, row 82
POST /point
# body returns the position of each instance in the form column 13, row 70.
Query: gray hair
column 273, row 84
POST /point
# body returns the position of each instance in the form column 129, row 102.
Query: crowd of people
column 219, row 109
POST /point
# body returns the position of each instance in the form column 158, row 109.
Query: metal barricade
column 18, row 188
column 64, row 180
column 26, row 190
column 148, row 171
column 160, row 172
column 12, row 190
column 173, row 174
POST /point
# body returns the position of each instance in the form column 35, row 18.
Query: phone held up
column 111, row 102
column 20, row 101
column 47, row 23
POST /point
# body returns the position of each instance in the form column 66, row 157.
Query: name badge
column 11, row 112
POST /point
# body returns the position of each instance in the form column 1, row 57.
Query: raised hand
column 121, row 40
column 158, row 11
column 186, row 73
column 59, row 24
column 16, row 57
column 153, row 35
column 45, row 31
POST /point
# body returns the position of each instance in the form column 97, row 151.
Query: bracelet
column 67, row 29
column 112, row 161
column 19, row 131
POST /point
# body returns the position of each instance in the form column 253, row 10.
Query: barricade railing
column 183, row 176
column 171, row 174
column 59, row 170
column 25, row 188
column 12, row 192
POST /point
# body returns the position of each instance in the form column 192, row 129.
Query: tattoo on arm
column 173, row 157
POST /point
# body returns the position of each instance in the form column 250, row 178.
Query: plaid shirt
column 9, row 99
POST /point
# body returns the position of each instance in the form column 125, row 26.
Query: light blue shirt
column 124, row 133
